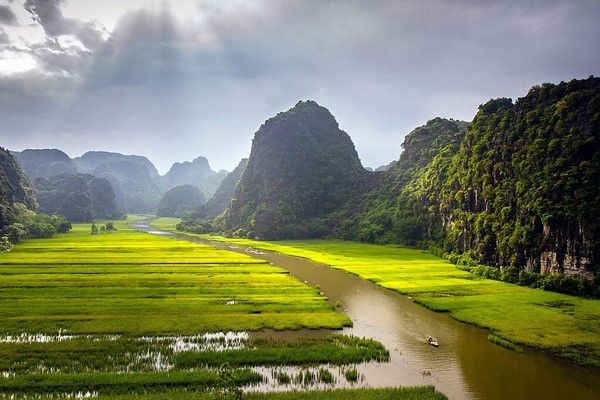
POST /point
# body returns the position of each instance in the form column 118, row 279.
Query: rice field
column 133, row 283
column 126, row 312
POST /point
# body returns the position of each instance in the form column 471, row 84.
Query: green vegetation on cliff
column 517, row 190
column 393, row 212
column 302, row 168
column 79, row 197
column 179, row 200
column 523, row 188
column 18, row 219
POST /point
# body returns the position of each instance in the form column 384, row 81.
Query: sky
column 176, row 79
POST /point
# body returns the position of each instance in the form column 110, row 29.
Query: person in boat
column 429, row 339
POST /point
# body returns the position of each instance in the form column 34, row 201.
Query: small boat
column 432, row 342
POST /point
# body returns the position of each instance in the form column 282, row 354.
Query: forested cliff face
column 18, row 219
column 396, row 210
column 79, row 197
column 302, row 167
column 522, row 189
column 518, row 189
column 14, row 187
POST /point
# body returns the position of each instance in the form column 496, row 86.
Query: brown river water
column 465, row 365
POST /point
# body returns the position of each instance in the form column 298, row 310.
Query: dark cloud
column 49, row 15
column 7, row 16
column 173, row 88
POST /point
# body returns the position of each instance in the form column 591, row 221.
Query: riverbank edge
column 580, row 355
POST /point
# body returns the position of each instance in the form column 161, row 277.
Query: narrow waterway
column 465, row 366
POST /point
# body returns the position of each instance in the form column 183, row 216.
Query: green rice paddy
column 134, row 283
column 131, row 312
column 565, row 325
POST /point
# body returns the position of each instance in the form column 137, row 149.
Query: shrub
column 351, row 375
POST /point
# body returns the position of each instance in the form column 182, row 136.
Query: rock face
column 302, row 168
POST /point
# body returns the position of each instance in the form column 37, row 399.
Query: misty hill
column 216, row 205
column 179, row 200
column 44, row 162
column 79, row 197
column 137, row 185
column 134, row 178
column 197, row 173
column 91, row 160
column 135, row 189
column 301, row 168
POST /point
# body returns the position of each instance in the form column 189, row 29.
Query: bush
column 351, row 375
column 487, row 272
column 15, row 232
column 5, row 245
column 527, row 278
column 510, row 274
column 325, row 376
column 40, row 230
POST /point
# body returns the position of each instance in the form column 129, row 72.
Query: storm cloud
column 173, row 86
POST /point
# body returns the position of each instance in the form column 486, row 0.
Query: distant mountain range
column 137, row 185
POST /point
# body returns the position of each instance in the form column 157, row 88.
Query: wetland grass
column 334, row 350
column 416, row 393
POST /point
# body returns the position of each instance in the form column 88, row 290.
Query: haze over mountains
column 137, row 185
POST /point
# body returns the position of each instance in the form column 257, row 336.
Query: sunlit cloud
column 180, row 79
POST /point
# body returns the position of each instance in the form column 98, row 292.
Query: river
column 465, row 366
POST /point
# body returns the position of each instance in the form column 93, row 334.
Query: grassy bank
column 564, row 325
